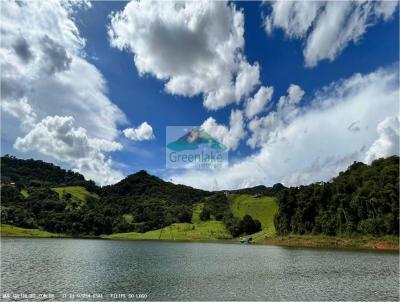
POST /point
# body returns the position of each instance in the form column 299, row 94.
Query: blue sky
column 371, row 49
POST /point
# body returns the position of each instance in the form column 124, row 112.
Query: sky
column 296, row 90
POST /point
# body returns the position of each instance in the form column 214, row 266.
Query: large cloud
column 316, row 143
column 45, row 74
column 57, row 137
column 327, row 26
column 196, row 47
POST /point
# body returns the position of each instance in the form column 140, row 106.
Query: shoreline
column 384, row 243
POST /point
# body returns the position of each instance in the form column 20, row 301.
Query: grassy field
column 79, row 194
column 197, row 230
column 24, row 193
column 9, row 230
column 261, row 208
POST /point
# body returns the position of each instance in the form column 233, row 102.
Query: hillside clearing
column 197, row 230
column 78, row 194
column 261, row 208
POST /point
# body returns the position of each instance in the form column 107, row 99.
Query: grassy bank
column 196, row 230
column 13, row 231
column 209, row 230
column 357, row 242
column 214, row 231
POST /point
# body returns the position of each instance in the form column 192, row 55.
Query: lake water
column 193, row 271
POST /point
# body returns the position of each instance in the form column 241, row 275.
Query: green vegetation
column 32, row 173
column 217, row 207
column 207, row 230
column 362, row 200
column 260, row 190
column 39, row 195
column 197, row 210
column 10, row 230
column 196, row 230
column 128, row 218
column 357, row 208
column 75, row 195
column 261, row 208
column 24, row 193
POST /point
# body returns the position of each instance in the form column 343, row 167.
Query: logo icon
column 194, row 139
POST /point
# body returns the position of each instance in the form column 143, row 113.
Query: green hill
column 39, row 195
column 261, row 208
column 36, row 173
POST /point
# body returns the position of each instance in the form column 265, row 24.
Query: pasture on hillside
column 261, row 208
column 78, row 194
column 197, row 230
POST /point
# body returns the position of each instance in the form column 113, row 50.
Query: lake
column 192, row 271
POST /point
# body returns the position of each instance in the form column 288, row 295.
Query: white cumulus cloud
column 316, row 143
column 44, row 74
column 21, row 110
column 265, row 128
column 258, row 102
column 195, row 47
column 326, row 26
column 142, row 133
column 388, row 141
column 229, row 136
column 56, row 136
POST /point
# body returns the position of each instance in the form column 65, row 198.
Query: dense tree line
column 260, row 190
column 364, row 199
column 217, row 207
column 44, row 209
column 32, row 173
column 140, row 202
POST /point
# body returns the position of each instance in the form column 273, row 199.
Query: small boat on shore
column 246, row 240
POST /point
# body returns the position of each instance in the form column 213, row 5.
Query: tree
column 250, row 226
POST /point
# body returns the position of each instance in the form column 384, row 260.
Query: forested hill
column 144, row 184
column 36, row 194
column 363, row 199
column 37, row 173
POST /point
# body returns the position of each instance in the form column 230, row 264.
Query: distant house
column 12, row 184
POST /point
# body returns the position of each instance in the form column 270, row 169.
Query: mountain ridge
column 363, row 199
